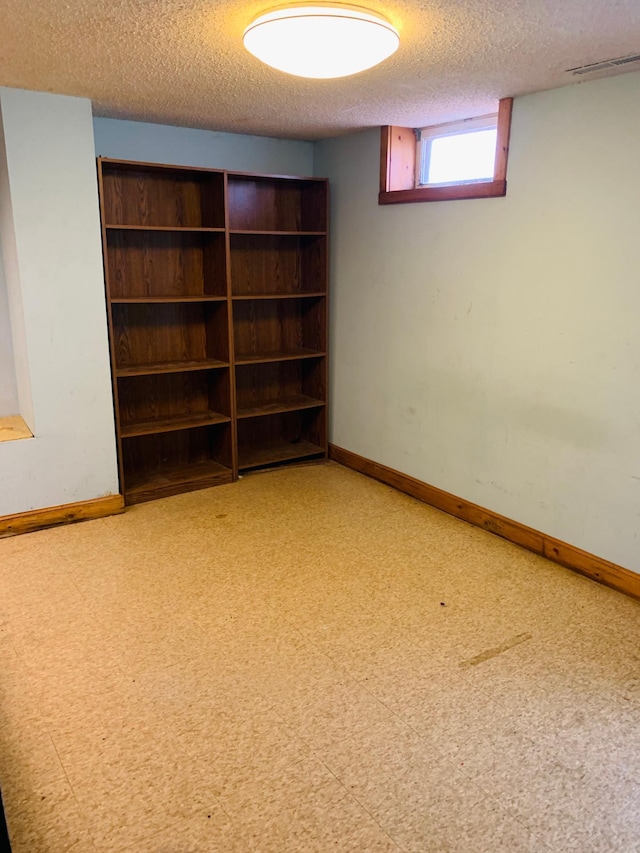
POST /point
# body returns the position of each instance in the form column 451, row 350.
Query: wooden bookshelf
column 217, row 305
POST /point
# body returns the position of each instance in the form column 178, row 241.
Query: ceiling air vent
column 609, row 66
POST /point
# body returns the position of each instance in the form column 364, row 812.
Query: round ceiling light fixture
column 321, row 40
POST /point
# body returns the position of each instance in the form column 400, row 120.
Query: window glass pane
column 462, row 157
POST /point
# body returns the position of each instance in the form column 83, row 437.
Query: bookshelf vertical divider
column 227, row 244
column 216, row 288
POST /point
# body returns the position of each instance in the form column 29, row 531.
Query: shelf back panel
column 174, row 332
column 164, row 263
column 277, row 265
column 279, row 325
column 272, row 204
column 148, row 398
column 157, row 197
column 149, row 456
column 258, row 384
column 281, row 434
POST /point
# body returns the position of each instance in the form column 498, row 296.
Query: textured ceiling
column 182, row 62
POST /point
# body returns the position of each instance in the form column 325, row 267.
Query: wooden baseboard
column 25, row 522
column 560, row 552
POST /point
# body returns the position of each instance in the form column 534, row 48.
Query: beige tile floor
column 300, row 662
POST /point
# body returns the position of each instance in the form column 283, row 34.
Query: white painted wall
column 8, row 388
column 491, row 347
column 51, row 192
column 157, row 143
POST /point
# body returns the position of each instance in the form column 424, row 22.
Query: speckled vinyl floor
column 307, row 660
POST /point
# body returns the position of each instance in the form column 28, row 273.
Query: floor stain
column 498, row 650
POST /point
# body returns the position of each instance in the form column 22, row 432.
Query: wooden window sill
column 488, row 189
column 13, row 428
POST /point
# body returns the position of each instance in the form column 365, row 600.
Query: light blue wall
column 184, row 146
column 49, row 193
column 490, row 347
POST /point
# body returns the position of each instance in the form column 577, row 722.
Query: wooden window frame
column 398, row 167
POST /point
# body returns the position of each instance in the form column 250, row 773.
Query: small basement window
column 461, row 152
column 464, row 159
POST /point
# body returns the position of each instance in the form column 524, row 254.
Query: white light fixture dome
column 321, row 41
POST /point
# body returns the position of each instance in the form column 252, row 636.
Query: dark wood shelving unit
column 217, row 305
